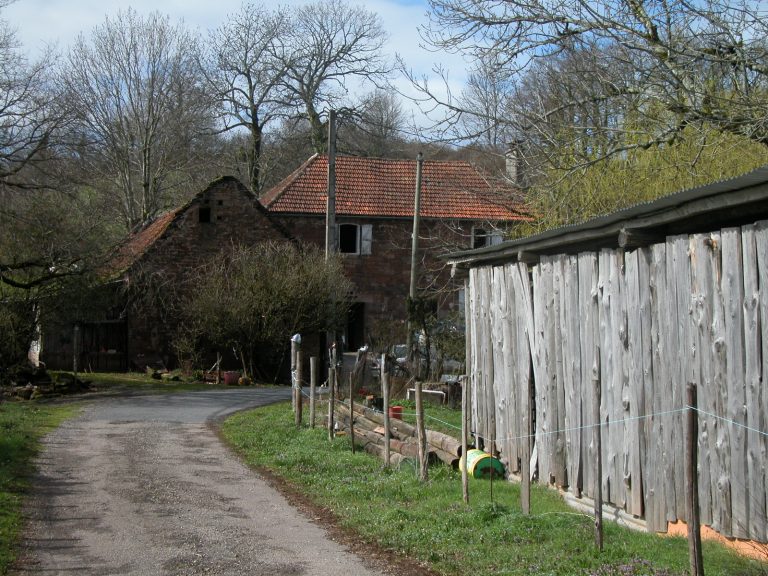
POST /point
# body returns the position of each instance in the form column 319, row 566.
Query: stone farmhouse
column 460, row 209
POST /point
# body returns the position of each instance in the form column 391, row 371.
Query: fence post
column 385, row 407
column 464, row 437
column 295, row 346
column 331, row 392
column 421, row 435
column 352, row 410
column 525, row 490
column 692, row 481
column 312, row 386
column 75, row 350
column 299, row 375
column 598, row 443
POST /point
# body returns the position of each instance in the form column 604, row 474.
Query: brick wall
column 382, row 278
column 233, row 216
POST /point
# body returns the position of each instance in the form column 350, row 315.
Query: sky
column 39, row 23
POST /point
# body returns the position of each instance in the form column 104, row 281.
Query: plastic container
column 480, row 465
column 396, row 412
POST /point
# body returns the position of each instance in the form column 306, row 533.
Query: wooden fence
column 645, row 322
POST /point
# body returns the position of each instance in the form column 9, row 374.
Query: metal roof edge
column 639, row 216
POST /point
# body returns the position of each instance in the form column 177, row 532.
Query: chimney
column 514, row 164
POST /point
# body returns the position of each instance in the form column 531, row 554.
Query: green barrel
column 480, row 464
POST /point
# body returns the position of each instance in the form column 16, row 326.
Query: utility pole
column 330, row 208
column 414, row 251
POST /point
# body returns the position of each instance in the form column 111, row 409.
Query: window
column 482, row 237
column 204, row 214
column 355, row 238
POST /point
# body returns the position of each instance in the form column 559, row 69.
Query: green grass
column 430, row 523
column 21, row 427
column 120, row 382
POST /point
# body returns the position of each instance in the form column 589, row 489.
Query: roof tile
column 385, row 188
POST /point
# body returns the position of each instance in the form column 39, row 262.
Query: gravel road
column 142, row 485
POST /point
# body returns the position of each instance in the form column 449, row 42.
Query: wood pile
column 369, row 435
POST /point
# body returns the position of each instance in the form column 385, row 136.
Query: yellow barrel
column 481, row 464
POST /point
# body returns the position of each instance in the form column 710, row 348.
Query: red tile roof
column 385, row 188
column 139, row 242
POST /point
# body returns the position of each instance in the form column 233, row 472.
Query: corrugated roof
column 381, row 187
column 730, row 202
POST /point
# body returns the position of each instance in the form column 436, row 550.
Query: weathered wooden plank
column 656, row 462
column 758, row 527
column 753, row 385
column 512, row 385
column 621, row 403
column 542, row 297
column 526, row 365
column 761, row 242
column 496, row 310
column 559, row 336
column 682, row 275
column 572, row 372
column 701, row 319
column 733, row 298
column 722, row 507
column 645, row 400
column 607, row 376
column 632, row 440
column 588, row 337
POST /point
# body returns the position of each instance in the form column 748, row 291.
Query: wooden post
column 464, row 437
column 295, row 343
column 525, row 489
column 412, row 358
column 421, row 435
column 299, row 399
column 218, row 368
column 352, row 411
column 597, row 440
column 75, row 350
column 692, row 481
column 313, row 365
column 330, row 208
column 331, row 392
column 385, row 393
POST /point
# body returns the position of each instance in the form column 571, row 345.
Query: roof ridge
column 274, row 193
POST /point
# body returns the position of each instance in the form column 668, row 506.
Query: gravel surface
column 142, row 485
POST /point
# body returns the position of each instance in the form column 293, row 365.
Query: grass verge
column 121, row 382
column 22, row 425
column 430, row 524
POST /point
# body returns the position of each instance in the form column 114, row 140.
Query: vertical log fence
column 691, row 309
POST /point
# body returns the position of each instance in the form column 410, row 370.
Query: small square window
column 220, row 202
column 348, row 242
column 204, row 214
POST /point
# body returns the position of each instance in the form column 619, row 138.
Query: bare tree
column 245, row 67
column 331, row 44
column 136, row 91
column 634, row 73
column 27, row 117
column 377, row 127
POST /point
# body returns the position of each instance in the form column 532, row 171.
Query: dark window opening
column 221, row 202
column 348, row 238
column 218, row 217
column 204, row 215
column 480, row 238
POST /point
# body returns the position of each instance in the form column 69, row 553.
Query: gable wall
column 182, row 249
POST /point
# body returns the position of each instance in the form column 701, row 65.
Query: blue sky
column 42, row 22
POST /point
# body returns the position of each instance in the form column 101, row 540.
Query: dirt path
column 143, row 486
